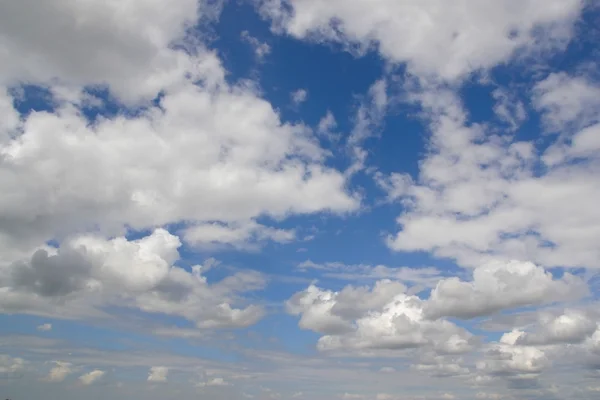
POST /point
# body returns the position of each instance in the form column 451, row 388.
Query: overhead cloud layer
column 299, row 199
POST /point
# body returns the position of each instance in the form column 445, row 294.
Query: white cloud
column 299, row 96
column 211, row 157
column 508, row 109
column 513, row 361
column 359, row 319
column 567, row 100
column 89, row 272
column 123, row 45
column 261, row 49
column 59, row 372
column 570, row 327
column 44, row 327
column 478, row 197
column 158, row 374
column 327, row 126
column 213, row 382
column 273, row 169
column 91, row 377
column 244, row 235
column 497, row 286
column 437, row 38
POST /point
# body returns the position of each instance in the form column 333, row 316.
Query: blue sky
column 277, row 199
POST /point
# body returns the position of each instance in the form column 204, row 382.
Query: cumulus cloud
column 207, row 156
column 508, row 359
column 107, row 46
column 566, row 100
column 91, row 377
column 435, row 38
column 158, row 374
column 59, row 372
column 367, row 320
column 570, row 327
column 497, row 286
column 479, row 198
column 89, row 272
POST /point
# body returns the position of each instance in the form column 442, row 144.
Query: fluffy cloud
column 148, row 171
column 125, row 46
column 497, row 286
column 481, row 197
column 436, row 38
column 207, row 156
column 566, row 100
column 570, row 327
column 158, row 374
column 88, row 272
column 91, row 377
column 366, row 320
column 59, row 372
column 508, row 359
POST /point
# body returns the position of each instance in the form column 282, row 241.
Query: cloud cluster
column 207, row 155
column 497, row 286
column 88, row 273
column 435, row 38
column 482, row 196
column 359, row 319
column 385, row 316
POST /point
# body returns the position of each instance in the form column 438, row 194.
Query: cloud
column 420, row 277
column 44, row 327
column 244, row 236
column 570, row 327
column 91, row 377
column 59, row 372
column 478, row 197
column 247, row 175
column 11, row 367
column 158, row 374
column 359, row 319
column 566, row 100
column 89, row 272
column 439, row 366
column 213, row 382
column 108, row 44
column 497, row 286
column 446, row 40
column 510, row 360
column 261, row 49
column 299, row 96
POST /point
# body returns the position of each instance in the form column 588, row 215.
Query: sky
column 300, row 199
